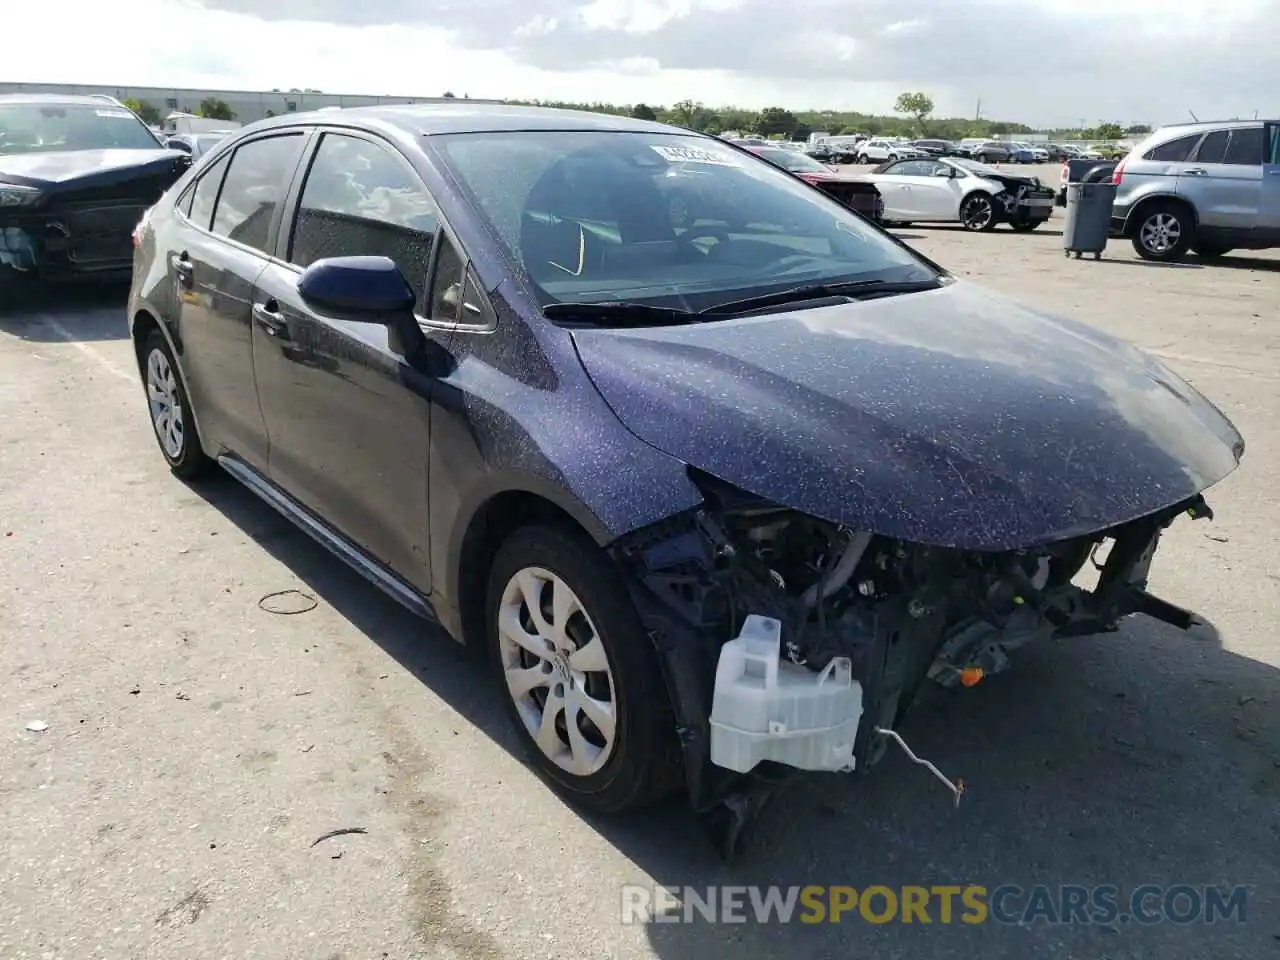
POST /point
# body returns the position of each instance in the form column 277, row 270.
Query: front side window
column 361, row 199
column 43, row 128
column 665, row 220
column 1175, row 151
column 254, row 186
column 1273, row 152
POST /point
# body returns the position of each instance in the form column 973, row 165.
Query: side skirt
column 372, row 570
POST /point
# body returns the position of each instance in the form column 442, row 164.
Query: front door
column 1269, row 202
column 347, row 415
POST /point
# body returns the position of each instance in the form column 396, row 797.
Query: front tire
column 172, row 421
column 978, row 212
column 578, row 674
column 1164, row 233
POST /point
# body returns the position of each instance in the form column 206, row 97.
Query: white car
column 958, row 190
column 878, row 151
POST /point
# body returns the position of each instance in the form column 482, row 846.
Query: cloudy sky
column 1037, row 61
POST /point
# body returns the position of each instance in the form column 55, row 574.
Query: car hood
column 954, row 417
column 74, row 169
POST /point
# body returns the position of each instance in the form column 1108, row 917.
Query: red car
column 853, row 191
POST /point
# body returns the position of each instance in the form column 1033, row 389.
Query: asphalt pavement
column 207, row 730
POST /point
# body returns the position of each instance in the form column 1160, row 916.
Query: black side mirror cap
column 371, row 288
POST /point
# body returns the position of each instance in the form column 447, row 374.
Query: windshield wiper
column 620, row 313
column 853, row 289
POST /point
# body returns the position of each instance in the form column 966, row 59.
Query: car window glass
column 446, row 285
column 254, row 185
column 184, row 201
column 362, row 199
column 205, row 194
column 1175, row 151
column 1213, row 148
column 914, row 168
column 1274, row 153
column 1245, row 147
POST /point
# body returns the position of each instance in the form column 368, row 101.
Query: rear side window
column 1175, row 151
column 361, row 199
column 1213, row 148
column 1245, row 148
column 1273, row 154
column 254, row 186
column 205, row 195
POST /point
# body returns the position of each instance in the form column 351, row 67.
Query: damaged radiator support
column 893, row 613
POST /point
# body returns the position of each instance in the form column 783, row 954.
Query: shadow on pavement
column 89, row 312
column 1152, row 263
column 1241, row 263
column 1145, row 756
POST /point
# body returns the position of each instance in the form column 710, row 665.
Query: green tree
column 642, row 111
column 1109, row 131
column 448, row 95
column 776, row 121
column 214, row 109
column 917, row 105
column 146, row 111
column 685, row 112
column 1137, row 128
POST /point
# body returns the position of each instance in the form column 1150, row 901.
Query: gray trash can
column 1088, row 221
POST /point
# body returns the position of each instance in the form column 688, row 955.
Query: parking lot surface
column 199, row 744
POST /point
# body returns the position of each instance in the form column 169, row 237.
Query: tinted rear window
column 1175, row 151
column 255, row 184
column 1245, row 147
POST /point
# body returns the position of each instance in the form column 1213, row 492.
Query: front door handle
column 1196, row 171
column 272, row 322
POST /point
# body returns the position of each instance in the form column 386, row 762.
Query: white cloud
column 1052, row 61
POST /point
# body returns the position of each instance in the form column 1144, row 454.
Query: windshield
column 973, row 166
column 661, row 220
column 791, row 160
column 45, row 127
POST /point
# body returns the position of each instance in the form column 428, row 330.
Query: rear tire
column 1164, row 232
column 597, row 670
column 172, row 420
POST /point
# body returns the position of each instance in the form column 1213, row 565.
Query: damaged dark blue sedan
column 717, row 472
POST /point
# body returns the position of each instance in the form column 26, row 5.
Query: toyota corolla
column 717, row 497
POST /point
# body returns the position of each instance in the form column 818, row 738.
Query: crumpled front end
column 888, row 613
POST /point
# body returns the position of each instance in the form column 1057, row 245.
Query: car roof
column 56, row 98
column 464, row 116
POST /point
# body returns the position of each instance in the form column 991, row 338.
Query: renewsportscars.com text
column 937, row 904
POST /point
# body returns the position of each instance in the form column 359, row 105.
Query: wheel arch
column 1139, row 209
column 494, row 518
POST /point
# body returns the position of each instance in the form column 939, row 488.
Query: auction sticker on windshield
column 693, row 155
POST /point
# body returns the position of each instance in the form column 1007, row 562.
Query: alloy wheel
column 557, row 671
column 1160, row 233
column 166, row 404
column 977, row 213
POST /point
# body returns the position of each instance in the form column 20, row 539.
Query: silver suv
column 1206, row 187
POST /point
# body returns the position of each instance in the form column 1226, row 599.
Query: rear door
column 229, row 225
column 1223, row 179
column 348, row 416
column 920, row 195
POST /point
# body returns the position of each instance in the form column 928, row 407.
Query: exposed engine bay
column 901, row 613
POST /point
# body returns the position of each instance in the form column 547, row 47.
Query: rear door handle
column 184, row 268
column 271, row 320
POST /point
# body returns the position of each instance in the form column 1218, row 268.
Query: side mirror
column 366, row 290
column 371, row 288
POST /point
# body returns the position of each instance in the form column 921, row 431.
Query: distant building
column 247, row 105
